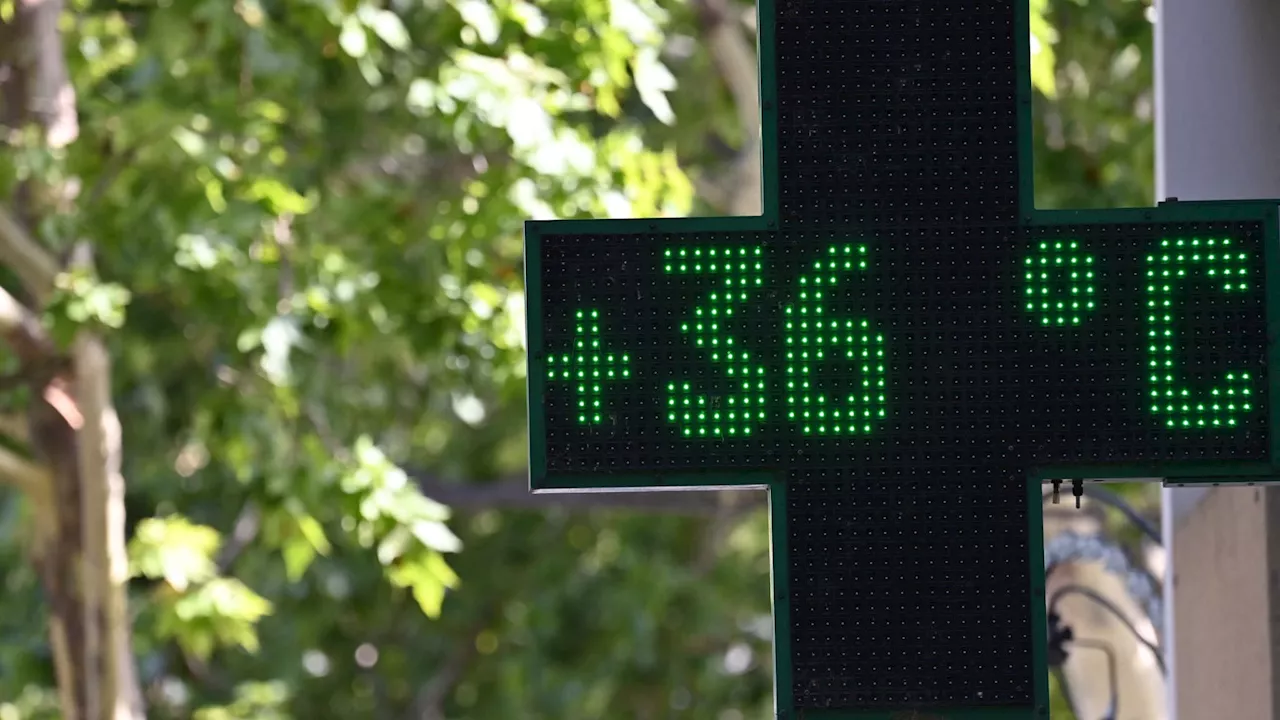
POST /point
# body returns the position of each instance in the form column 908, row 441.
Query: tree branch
column 37, row 90
column 35, row 267
column 15, row 427
column 79, row 547
column 729, row 511
column 430, row 700
column 103, row 516
column 23, row 329
column 50, row 98
column 21, row 473
column 245, row 530
column 30, row 341
column 737, row 190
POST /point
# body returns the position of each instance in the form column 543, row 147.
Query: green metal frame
column 1180, row 473
column 783, row 687
column 987, row 714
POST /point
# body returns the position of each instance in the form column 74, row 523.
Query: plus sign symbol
column 902, row 349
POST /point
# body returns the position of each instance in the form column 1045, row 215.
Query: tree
column 262, row 257
column 284, row 239
column 76, row 491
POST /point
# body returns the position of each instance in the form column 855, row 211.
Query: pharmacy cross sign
column 900, row 349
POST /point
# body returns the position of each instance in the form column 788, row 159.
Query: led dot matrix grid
column 776, row 365
column 736, row 412
column 1167, row 268
column 813, row 337
column 789, row 377
column 1056, row 260
column 588, row 366
column 898, row 404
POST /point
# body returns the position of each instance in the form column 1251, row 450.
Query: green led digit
column 737, row 413
column 1171, row 399
column 588, row 367
column 811, row 337
column 1059, row 261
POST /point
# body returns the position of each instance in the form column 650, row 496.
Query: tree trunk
column 74, row 484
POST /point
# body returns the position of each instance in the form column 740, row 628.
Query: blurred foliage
column 308, row 217
column 1094, row 132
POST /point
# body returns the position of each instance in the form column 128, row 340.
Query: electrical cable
column 1059, row 637
column 1071, row 547
column 1065, row 686
column 1097, row 597
column 1111, row 499
column 1113, row 675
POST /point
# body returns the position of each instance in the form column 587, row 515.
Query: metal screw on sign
column 901, row 348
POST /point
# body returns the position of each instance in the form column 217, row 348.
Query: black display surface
column 896, row 348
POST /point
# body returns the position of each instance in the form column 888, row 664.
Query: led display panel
column 1139, row 343
column 900, row 348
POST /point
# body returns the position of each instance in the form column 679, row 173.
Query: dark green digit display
column 587, row 367
column 1060, row 282
column 813, row 336
column 736, row 413
column 1060, row 289
column 1168, row 268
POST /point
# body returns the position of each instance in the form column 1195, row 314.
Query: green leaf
column 353, row 39
column 394, row 545
column 427, row 577
column 175, row 550
column 479, row 15
column 279, row 338
column 279, row 198
column 253, row 701
column 387, row 26
column 221, row 612
column 298, row 556
column 85, row 298
column 313, row 532
column 190, row 142
column 436, row 536
column 653, row 81
column 1043, row 61
column 438, row 568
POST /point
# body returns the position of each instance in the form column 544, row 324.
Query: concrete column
column 1218, row 138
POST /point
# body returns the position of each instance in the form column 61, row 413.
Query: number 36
column 1059, row 290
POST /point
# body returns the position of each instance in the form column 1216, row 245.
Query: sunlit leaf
column 653, row 81
column 387, row 26
column 353, row 39
column 1043, row 60
column 175, row 550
